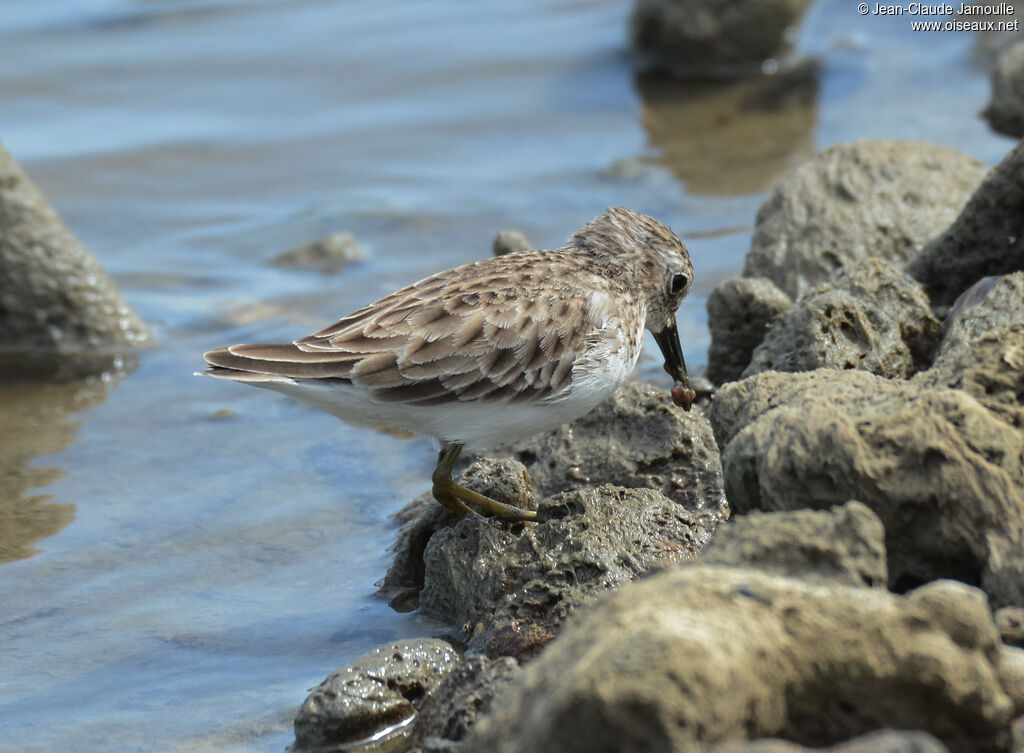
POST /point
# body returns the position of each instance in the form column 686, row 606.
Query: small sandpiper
column 492, row 352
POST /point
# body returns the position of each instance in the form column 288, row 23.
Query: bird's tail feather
column 268, row 362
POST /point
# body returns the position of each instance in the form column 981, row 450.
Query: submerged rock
column 55, row 298
column 1005, row 110
column 709, row 36
column 702, row 654
column 843, row 545
column 511, row 592
column 987, row 237
column 740, row 311
column 509, row 241
column 868, row 316
column 944, row 474
column 866, row 199
column 328, row 254
column 377, row 692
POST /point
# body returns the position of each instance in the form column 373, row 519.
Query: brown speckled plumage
column 559, row 327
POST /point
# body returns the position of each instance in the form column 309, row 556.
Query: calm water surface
column 184, row 558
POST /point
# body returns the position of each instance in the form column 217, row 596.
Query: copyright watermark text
column 958, row 17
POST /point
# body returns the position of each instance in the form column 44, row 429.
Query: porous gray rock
column 1005, row 109
column 870, row 316
column 636, row 439
column 328, row 254
column 866, row 199
column 701, row 654
column 509, row 241
column 740, row 311
column 55, row 298
column 695, row 36
column 987, row 238
column 944, row 474
column 983, row 355
column 462, row 697
column 510, row 592
column 843, row 545
column 983, row 352
column 502, row 479
column 375, row 692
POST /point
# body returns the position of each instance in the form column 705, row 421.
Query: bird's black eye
column 678, row 283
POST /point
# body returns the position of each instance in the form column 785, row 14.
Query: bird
column 488, row 353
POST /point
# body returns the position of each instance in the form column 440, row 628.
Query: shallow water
column 184, row 558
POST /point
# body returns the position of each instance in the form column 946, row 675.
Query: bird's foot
column 455, row 498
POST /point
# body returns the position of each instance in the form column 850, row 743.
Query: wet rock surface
column 510, row 593
column 1005, row 110
column 740, row 311
column 56, row 298
column 843, row 545
column 636, row 439
column 987, row 238
column 941, row 471
column 377, row 691
column 696, row 36
column 327, row 254
column 509, row 588
column 701, row 654
column 869, row 316
column 502, row 479
column 866, row 199
column 464, row 694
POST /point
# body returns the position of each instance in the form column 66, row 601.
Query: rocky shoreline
column 867, row 441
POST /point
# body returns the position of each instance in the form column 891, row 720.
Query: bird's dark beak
column 668, row 341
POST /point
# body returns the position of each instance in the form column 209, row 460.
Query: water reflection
column 731, row 137
column 34, row 421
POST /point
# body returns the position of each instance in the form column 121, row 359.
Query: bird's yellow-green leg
column 455, row 497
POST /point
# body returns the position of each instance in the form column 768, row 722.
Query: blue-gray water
column 207, row 552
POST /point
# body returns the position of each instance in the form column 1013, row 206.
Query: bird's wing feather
column 471, row 333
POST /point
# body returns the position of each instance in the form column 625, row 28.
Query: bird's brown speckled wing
column 471, row 333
